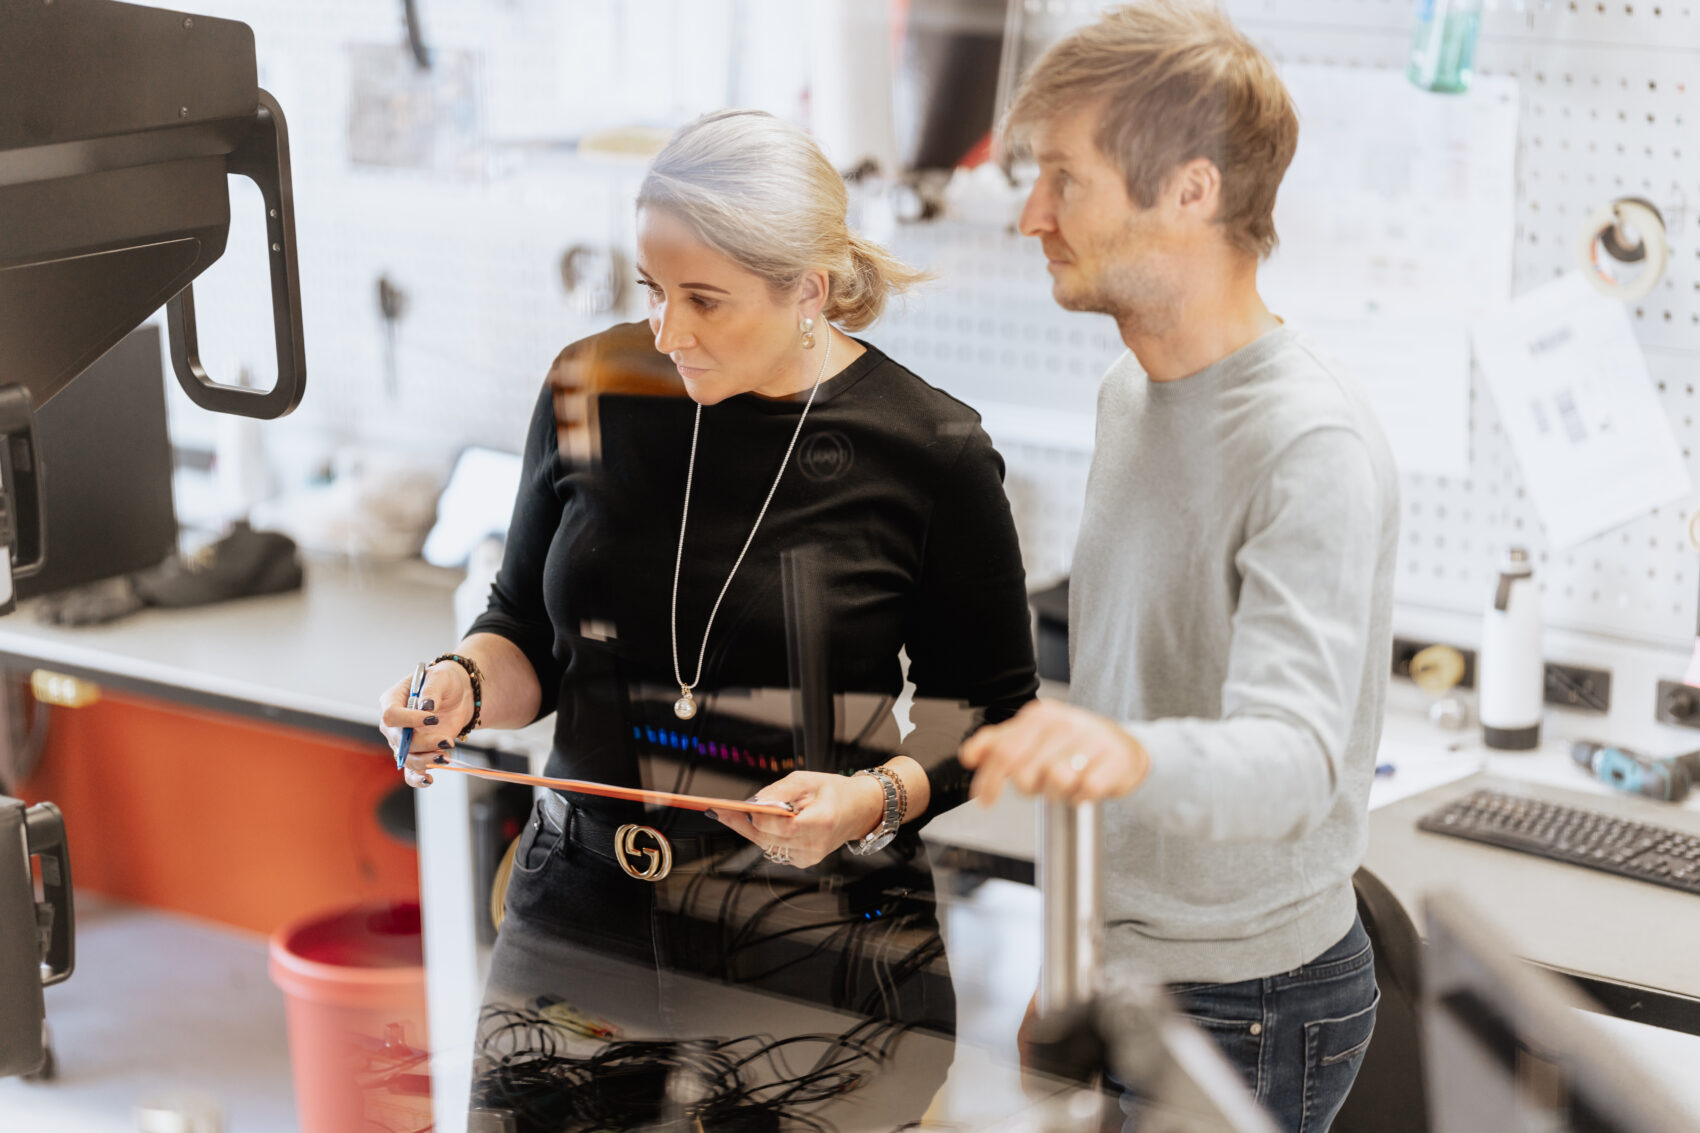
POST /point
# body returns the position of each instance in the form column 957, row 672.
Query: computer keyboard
column 1571, row 834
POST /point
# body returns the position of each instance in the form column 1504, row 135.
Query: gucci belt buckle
column 658, row 859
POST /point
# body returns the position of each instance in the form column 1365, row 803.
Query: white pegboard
column 1610, row 98
column 1608, row 104
column 986, row 328
column 1609, row 95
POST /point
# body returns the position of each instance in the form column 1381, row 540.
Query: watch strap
column 896, row 807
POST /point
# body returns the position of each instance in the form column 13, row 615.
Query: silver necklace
column 686, row 706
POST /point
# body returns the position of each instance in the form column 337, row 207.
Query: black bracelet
column 475, row 675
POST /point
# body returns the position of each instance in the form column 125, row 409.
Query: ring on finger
column 1077, row 762
column 777, row 854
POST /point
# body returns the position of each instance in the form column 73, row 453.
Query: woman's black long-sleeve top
column 894, row 485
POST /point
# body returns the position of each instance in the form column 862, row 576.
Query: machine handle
column 23, row 521
column 263, row 157
column 44, row 833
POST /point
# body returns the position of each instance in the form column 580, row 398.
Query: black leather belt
column 641, row 851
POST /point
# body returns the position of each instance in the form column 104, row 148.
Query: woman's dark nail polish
column 712, row 815
column 444, row 744
column 429, row 721
column 427, row 705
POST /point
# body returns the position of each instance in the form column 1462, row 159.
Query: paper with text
column 1578, row 406
column 1397, row 226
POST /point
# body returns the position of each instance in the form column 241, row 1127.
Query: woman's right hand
column 445, row 707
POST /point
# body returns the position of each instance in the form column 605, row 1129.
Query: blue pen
column 406, row 740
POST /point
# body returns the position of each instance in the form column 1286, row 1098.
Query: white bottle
column 1513, row 673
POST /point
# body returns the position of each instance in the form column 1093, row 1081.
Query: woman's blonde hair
column 761, row 193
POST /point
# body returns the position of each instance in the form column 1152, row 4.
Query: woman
column 656, row 547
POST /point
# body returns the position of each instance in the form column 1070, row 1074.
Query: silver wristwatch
column 896, row 802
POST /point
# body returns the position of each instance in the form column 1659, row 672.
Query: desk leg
column 452, row 982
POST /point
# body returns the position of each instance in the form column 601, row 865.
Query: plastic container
column 1443, row 45
column 354, row 988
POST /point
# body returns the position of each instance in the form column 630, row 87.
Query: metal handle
column 263, row 157
column 23, row 521
column 1070, row 888
column 44, row 832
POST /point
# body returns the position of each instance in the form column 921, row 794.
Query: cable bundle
column 731, row 1085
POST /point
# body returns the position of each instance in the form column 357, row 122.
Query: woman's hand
column 445, row 707
column 830, row 811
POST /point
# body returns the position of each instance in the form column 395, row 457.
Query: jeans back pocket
column 1334, row 1049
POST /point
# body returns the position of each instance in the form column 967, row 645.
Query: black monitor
column 1507, row 1052
column 107, row 493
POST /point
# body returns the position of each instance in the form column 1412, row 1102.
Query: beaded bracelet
column 902, row 793
column 883, row 771
column 477, row 677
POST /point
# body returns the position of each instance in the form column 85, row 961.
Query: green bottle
column 1443, row 44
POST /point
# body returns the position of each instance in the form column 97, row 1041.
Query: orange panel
column 221, row 817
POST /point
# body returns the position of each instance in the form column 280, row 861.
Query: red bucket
column 354, row 986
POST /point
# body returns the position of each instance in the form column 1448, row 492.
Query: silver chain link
column 679, row 557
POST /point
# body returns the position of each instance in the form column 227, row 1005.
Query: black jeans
column 730, row 945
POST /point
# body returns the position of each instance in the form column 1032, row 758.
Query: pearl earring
column 808, row 334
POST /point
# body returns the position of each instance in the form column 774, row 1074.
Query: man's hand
column 1058, row 751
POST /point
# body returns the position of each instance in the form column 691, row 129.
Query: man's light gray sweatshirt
column 1231, row 602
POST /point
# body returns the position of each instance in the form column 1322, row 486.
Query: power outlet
column 1404, row 648
column 1572, row 686
column 1677, row 703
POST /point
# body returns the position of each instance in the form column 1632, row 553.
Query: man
column 1233, row 581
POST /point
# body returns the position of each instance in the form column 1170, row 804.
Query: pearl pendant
column 686, row 706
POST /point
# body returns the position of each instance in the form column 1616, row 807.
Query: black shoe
column 242, row 564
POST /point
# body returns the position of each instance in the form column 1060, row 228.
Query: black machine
column 119, row 129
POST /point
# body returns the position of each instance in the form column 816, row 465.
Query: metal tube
column 1070, row 885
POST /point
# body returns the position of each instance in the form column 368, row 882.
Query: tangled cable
column 715, row 1084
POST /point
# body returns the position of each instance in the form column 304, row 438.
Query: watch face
column 880, row 842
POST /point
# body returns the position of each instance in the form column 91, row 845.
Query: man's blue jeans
column 1297, row 1038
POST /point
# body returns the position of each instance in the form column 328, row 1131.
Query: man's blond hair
column 1176, row 81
